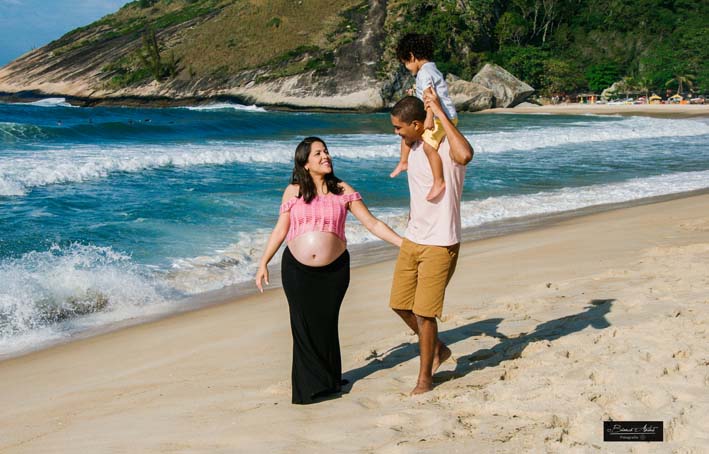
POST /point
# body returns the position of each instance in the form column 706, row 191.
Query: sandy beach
column 650, row 110
column 553, row 330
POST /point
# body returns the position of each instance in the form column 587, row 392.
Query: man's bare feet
column 422, row 387
column 401, row 167
column 436, row 190
column 441, row 356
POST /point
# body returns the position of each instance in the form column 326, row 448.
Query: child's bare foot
column 441, row 356
column 436, row 190
column 422, row 387
column 401, row 167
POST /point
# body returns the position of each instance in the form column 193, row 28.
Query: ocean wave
column 225, row 106
column 47, row 102
column 66, row 283
column 10, row 132
column 234, row 264
column 48, row 294
column 19, row 174
column 622, row 129
column 238, row 263
column 474, row 213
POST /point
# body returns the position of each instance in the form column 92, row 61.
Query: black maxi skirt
column 314, row 298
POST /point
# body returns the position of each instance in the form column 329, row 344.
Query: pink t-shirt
column 325, row 213
column 434, row 223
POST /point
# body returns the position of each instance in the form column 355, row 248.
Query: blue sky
column 26, row 24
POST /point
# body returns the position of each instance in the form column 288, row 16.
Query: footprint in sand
column 652, row 398
column 697, row 225
column 395, row 422
column 676, row 427
column 367, row 403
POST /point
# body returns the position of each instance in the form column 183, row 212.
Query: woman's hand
column 261, row 276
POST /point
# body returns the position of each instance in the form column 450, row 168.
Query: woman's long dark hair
column 302, row 177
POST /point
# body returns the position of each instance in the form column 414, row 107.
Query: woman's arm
column 374, row 225
column 275, row 240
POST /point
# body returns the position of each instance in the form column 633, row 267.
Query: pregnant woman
column 315, row 268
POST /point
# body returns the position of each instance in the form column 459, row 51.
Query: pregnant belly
column 316, row 248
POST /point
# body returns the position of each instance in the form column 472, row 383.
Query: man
column 429, row 253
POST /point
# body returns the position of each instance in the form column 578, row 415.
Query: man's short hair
column 409, row 109
column 421, row 46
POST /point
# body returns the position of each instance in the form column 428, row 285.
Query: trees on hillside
column 568, row 45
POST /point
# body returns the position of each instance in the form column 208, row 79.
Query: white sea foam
column 233, row 265
column 15, row 131
column 238, row 263
column 48, row 102
column 475, row 213
column 226, row 106
column 630, row 128
column 19, row 174
column 46, row 294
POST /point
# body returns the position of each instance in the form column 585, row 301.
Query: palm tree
column 680, row 79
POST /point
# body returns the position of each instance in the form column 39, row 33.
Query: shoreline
column 363, row 255
column 649, row 110
column 645, row 110
column 553, row 330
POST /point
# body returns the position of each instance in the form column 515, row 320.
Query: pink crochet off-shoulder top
column 325, row 213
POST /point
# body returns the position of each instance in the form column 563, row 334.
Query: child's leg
column 439, row 184
column 403, row 160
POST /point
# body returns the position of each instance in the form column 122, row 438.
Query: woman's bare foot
column 441, row 356
column 436, row 190
column 422, row 387
column 401, row 167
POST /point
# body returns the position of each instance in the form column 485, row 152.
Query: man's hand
column 461, row 151
column 431, row 101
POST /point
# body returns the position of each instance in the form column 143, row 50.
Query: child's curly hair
column 421, row 46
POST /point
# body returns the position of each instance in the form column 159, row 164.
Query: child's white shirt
column 430, row 76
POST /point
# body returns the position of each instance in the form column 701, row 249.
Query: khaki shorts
column 435, row 136
column 421, row 276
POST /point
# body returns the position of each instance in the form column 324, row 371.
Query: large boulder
column 507, row 89
column 468, row 96
column 622, row 87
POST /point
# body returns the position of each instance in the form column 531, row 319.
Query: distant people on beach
column 315, row 266
column 429, row 251
column 415, row 52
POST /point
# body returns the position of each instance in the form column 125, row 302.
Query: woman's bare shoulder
column 292, row 190
column 346, row 188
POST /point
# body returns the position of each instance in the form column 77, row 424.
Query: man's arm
column 461, row 150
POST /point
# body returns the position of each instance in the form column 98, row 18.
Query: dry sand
column 554, row 330
column 650, row 110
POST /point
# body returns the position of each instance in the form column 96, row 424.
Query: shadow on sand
column 594, row 315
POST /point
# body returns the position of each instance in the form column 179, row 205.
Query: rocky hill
column 317, row 54
column 338, row 54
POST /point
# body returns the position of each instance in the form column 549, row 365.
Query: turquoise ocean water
column 108, row 214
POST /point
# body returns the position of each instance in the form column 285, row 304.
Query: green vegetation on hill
column 557, row 46
column 562, row 46
column 218, row 39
